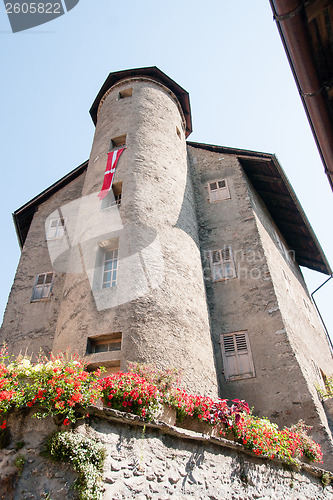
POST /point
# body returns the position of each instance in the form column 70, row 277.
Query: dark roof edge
column 44, row 195
column 230, row 151
column 154, row 73
column 302, row 213
column 284, row 178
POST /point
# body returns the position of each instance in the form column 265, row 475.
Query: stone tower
column 192, row 260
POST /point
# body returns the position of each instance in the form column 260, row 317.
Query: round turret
column 140, row 294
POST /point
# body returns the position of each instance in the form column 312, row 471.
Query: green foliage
column 326, row 479
column 19, row 445
column 328, row 391
column 86, row 456
column 19, row 462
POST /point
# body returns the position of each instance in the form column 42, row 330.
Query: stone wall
column 151, row 461
column 29, row 326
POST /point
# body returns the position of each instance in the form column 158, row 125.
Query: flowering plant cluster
column 129, row 391
column 57, row 385
column 165, row 379
column 264, row 438
column 132, row 392
column 60, row 384
column 205, row 408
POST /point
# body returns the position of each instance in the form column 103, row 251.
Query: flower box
column 167, row 415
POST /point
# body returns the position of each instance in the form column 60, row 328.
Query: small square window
column 125, row 93
column 218, row 190
column 43, row 287
column 118, row 142
column 104, row 343
column 222, row 264
column 113, row 198
column 237, row 357
column 56, row 229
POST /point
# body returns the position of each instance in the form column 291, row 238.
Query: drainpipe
column 291, row 21
column 320, row 316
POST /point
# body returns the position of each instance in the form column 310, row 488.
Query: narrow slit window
column 222, row 264
column 218, row 190
column 237, row 357
column 110, row 268
column 125, row 93
column 43, row 287
column 178, row 133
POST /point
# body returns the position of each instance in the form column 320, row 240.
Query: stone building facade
column 191, row 261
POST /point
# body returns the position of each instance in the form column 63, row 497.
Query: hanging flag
column 113, row 157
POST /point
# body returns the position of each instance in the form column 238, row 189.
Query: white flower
column 37, row 368
column 25, row 363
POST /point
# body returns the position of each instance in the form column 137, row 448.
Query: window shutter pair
column 237, row 357
column 218, row 190
column 222, row 264
column 56, row 228
column 43, row 287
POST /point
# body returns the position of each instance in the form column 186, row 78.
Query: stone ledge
column 113, row 415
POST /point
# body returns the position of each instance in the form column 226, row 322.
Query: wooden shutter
column 216, row 263
column 213, row 192
column 222, row 264
column 236, row 354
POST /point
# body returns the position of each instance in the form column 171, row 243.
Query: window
column 104, row 343
column 118, row 142
column 43, row 287
column 222, row 264
column 237, row 357
column 218, row 190
column 110, row 268
column 178, row 133
column 113, row 198
column 125, row 93
column 56, row 228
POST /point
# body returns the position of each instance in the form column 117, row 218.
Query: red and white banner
column 113, row 157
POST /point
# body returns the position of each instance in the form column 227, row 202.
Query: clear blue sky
column 227, row 55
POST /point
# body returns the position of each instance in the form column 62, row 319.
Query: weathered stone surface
column 154, row 463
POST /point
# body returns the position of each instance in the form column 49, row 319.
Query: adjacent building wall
column 303, row 330
column 257, row 300
column 29, row 327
